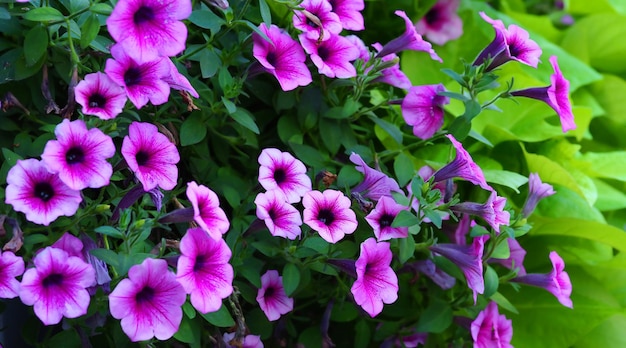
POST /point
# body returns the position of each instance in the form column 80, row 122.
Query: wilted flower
column 422, row 108
column 463, row 166
column 329, row 214
column 441, row 23
column 206, row 210
column 491, row 329
column 271, row 296
column 11, row 266
column 333, row 56
column 557, row 281
column 491, row 211
column 100, row 96
column 409, row 40
column 281, row 218
column 328, row 25
column 382, row 217
column 280, row 170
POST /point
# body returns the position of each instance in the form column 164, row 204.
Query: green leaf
column 206, row 19
column 503, row 302
column 10, row 157
column 609, row 198
column 437, row 317
column 35, row 44
column 362, row 335
column 109, row 257
column 4, row 14
column 506, row 178
column 390, row 128
column 331, row 133
column 308, row 155
column 343, row 312
column 571, row 227
column 349, row 108
column 491, row 281
column 89, row 30
column 109, row 231
column 551, row 172
column 404, row 169
column 407, row 248
column 291, row 278
column 67, row 338
column 188, row 331
column 193, row 129
column 221, row 318
column 44, row 14
column 606, row 164
column 100, row 8
column 246, row 119
column 405, row 218
column 266, row 14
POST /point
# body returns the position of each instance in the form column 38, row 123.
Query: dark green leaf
column 246, row 119
column 206, row 19
column 405, row 218
column 266, row 14
column 193, row 129
column 209, row 63
column 188, row 331
column 44, row 14
column 109, row 257
column 460, row 128
column 103, row 9
column 221, row 318
column 491, row 281
column 291, row 278
column 4, row 14
column 472, row 109
column 89, row 30
column 110, row 231
column 407, row 248
column 10, row 157
column 403, row 167
column 388, row 127
column 436, row 317
column 35, row 44
column 455, row 76
column 308, row 155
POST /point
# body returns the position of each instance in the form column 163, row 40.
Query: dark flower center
column 279, row 175
column 142, row 157
column 432, row 16
column 386, row 220
column 145, row 295
column 132, row 76
column 311, row 23
column 269, row 292
column 44, row 191
column 97, row 100
column 143, row 14
column 74, row 155
column 326, row 216
column 323, row 52
column 200, row 262
column 272, row 213
column 271, row 58
column 52, row 280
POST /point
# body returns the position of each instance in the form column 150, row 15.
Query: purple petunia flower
column 491, row 329
column 382, row 217
column 364, row 53
column 409, row 40
column 11, row 266
column 516, row 257
column 556, row 96
column 463, row 166
column 70, row 244
column 281, row 218
column 556, row 282
column 39, row 194
column 329, row 214
column 148, row 302
column 283, row 57
column 143, row 80
column 491, row 211
column 151, row 156
column 422, row 108
column 203, row 270
column 376, row 282
column 271, row 296
column 392, row 75
column 469, row 259
column 178, row 81
column 206, row 210
column 513, row 43
column 100, row 96
column 280, row 170
column 249, row 341
column 441, row 23
column 349, row 13
column 375, row 184
column 147, row 29
column 57, row 285
column 332, row 57
column 322, row 9
column 537, row 191
column 439, row 277
column 79, row 156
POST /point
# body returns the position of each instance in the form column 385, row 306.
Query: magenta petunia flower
column 428, row 268
column 249, row 341
column 147, row 29
column 281, row 218
column 375, row 184
column 100, row 96
column 283, row 57
column 329, row 214
column 149, row 302
column 11, row 266
column 271, row 296
column 556, row 282
column 463, row 166
column 392, row 75
column 382, row 217
column 39, row 194
column 441, row 23
column 537, row 191
column 178, row 81
column 206, row 210
column 364, row 53
column 349, row 13
column 491, row 211
column 79, row 156
column 203, row 270
column 151, row 156
column 469, row 259
column 323, row 10
column 376, row 283
column 409, row 40
column 556, row 96
column 491, row 329
column 516, row 257
column 422, row 108
column 280, row 170
column 332, row 57
column 513, row 43
column 70, row 244
column 143, row 80
column 57, row 286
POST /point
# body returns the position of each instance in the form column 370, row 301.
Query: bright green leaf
column 44, row 14
column 571, row 227
column 506, row 178
column 221, row 318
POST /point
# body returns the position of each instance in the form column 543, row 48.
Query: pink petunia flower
column 280, row 170
column 422, row 108
column 206, row 210
column 376, row 282
column 491, row 329
column 281, row 218
column 203, row 270
column 349, row 13
column 151, row 156
column 143, row 81
column 283, row 57
column 148, row 302
column 178, row 81
column 79, row 156
column 364, row 52
column 537, row 191
column 409, row 40
column 70, row 244
column 11, row 266
column 441, row 23
column 100, row 96
column 322, row 9
column 556, row 282
column 147, row 29
column 329, row 214
column 39, row 194
column 556, row 96
column 463, row 166
column 515, row 259
column 491, row 211
column 56, row 286
column 392, row 75
column 271, row 296
column 249, row 341
column 382, row 217
column 375, row 184
column 332, row 57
